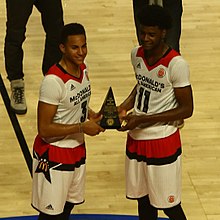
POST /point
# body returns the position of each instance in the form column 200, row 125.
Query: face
column 151, row 37
column 75, row 49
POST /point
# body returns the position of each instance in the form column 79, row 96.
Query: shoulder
column 179, row 62
column 52, row 85
column 52, row 79
column 137, row 54
column 137, row 51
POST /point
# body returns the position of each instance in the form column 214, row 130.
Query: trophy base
column 110, row 123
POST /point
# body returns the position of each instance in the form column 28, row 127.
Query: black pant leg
column 137, row 5
column 18, row 13
column 175, row 9
column 52, row 21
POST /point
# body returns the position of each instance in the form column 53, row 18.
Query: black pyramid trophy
column 110, row 119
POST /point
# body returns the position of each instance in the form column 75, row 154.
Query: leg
column 145, row 210
column 175, row 8
column 175, row 213
column 67, row 210
column 18, row 13
column 43, row 216
column 52, row 21
column 137, row 5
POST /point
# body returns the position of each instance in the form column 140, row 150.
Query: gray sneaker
column 18, row 102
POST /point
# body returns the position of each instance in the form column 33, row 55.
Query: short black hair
column 71, row 29
column 155, row 15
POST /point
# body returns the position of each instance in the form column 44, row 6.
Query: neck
column 154, row 55
column 72, row 69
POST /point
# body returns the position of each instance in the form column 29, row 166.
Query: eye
column 84, row 46
column 152, row 34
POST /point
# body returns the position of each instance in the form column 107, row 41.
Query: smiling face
column 151, row 37
column 74, row 49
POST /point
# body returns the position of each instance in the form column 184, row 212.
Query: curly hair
column 155, row 15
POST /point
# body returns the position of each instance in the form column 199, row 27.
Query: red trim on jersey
column 158, row 148
column 58, row 154
column 57, row 70
column 165, row 60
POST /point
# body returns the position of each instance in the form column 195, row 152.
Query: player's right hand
column 92, row 127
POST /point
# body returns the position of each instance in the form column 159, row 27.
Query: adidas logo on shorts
column 50, row 207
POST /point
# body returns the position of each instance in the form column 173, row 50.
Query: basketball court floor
column 111, row 36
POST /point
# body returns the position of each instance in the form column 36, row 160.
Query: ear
column 164, row 33
column 62, row 48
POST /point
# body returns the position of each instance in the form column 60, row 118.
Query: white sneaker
column 18, row 102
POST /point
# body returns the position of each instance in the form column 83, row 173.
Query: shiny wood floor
column 111, row 36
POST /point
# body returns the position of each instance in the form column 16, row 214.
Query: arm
column 47, row 128
column 183, row 110
column 128, row 103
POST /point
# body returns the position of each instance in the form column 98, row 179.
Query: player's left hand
column 130, row 122
column 121, row 113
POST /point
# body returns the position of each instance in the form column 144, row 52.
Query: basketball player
column 161, row 96
column 59, row 152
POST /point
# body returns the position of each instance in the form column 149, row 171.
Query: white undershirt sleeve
column 180, row 73
column 51, row 90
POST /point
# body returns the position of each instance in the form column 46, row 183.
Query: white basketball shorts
column 58, row 177
column 153, row 168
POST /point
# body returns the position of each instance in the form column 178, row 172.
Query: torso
column 155, row 88
column 71, row 95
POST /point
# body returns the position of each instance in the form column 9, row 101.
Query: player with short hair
column 59, row 152
column 161, row 96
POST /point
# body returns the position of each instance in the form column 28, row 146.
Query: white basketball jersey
column 155, row 89
column 71, row 95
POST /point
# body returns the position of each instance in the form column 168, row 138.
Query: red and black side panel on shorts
column 57, row 158
column 155, row 152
